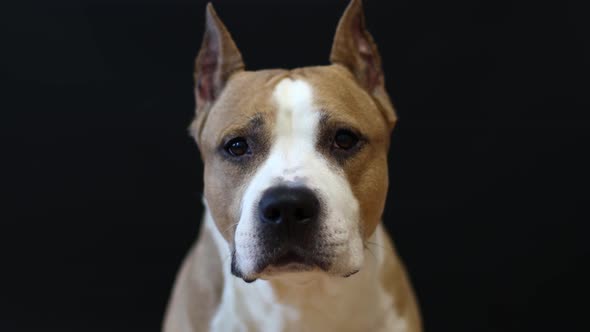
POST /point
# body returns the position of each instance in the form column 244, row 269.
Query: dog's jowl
column 295, row 185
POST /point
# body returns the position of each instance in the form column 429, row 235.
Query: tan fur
column 198, row 287
column 396, row 282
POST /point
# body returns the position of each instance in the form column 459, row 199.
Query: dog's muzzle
column 287, row 223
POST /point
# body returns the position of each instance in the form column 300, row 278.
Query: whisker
column 369, row 249
column 230, row 226
column 376, row 244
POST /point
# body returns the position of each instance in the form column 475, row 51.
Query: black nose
column 288, row 205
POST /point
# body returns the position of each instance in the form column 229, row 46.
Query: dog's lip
column 289, row 260
column 289, row 257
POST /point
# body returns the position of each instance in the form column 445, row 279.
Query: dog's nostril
column 272, row 214
column 299, row 213
column 302, row 215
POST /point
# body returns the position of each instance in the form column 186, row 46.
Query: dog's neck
column 316, row 300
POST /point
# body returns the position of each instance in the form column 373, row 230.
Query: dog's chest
column 257, row 309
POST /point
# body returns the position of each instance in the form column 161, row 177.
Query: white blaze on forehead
column 296, row 125
column 293, row 158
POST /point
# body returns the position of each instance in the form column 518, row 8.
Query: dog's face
column 295, row 161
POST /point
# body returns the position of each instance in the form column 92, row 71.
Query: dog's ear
column 355, row 49
column 218, row 59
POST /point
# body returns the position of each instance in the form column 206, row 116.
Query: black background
column 488, row 200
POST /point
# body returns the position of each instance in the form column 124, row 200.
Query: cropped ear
column 218, row 59
column 355, row 49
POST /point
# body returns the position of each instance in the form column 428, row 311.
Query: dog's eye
column 345, row 140
column 237, row 147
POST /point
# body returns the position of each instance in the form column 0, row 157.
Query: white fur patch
column 294, row 158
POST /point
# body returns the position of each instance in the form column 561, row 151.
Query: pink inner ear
column 371, row 72
column 205, row 90
column 207, row 66
column 362, row 44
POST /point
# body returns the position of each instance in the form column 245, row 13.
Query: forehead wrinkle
column 336, row 117
column 243, row 126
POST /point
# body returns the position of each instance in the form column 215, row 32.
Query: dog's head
column 295, row 160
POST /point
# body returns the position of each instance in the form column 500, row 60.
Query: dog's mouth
column 291, row 260
column 288, row 258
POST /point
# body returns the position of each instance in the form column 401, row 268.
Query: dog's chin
column 288, row 267
column 299, row 275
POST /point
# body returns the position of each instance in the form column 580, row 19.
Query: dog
column 295, row 181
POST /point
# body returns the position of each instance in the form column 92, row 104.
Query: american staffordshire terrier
column 295, row 173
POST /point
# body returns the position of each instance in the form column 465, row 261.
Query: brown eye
column 237, row 147
column 345, row 139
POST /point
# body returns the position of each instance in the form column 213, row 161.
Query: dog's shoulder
column 198, row 288
column 396, row 283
